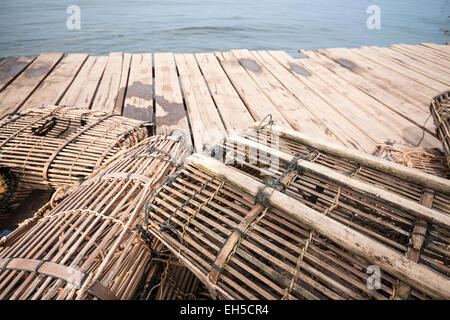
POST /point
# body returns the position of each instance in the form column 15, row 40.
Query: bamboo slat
column 440, row 110
column 90, row 245
column 284, row 220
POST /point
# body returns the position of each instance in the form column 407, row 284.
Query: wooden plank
column 422, row 53
column 108, row 90
column 254, row 98
column 444, row 50
column 170, row 113
column 10, row 67
column 427, row 81
column 206, row 124
column 382, row 93
column 357, row 115
column 81, row 92
column 290, row 107
column 13, row 96
column 55, row 85
column 398, row 85
column 139, row 94
column 348, row 133
column 375, row 117
column 231, row 108
column 295, row 88
column 415, row 64
column 419, row 59
column 126, row 63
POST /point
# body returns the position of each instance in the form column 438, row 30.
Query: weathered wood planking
column 391, row 100
column 206, row 124
column 339, row 103
column 376, row 117
column 301, row 117
column 288, row 105
column 17, row 92
column 443, row 49
column 355, row 97
column 421, row 53
column 82, row 90
column 139, row 94
column 397, row 84
column 254, row 98
column 375, row 56
column 348, row 134
column 10, row 67
column 423, row 91
column 421, row 65
column 51, row 90
column 108, row 90
column 231, row 108
column 170, row 113
column 125, row 70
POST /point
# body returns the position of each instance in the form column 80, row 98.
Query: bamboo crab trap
column 90, row 245
column 46, row 148
column 169, row 279
column 429, row 161
column 440, row 109
column 304, row 219
column 53, row 146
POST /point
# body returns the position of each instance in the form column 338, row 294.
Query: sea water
column 29, row 27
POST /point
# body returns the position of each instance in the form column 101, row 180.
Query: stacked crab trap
column 54, row 146
column 91, row 246
column 168, row 279
column 280, row 215
column 268, row 214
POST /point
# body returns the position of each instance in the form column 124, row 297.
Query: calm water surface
column 30, row 27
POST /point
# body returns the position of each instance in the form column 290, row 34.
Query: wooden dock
column 357, row 97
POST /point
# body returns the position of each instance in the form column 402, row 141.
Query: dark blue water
column 30, row 27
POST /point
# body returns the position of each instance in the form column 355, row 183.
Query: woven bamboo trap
column 440, row 109
column 304, row 220
column 53, row 146
column 428, row 161
column 90, row 245
column 168, row 279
